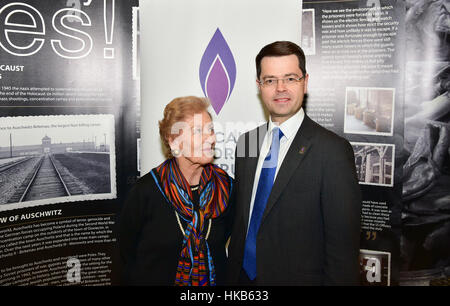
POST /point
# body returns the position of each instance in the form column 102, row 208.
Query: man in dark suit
column 298, row 200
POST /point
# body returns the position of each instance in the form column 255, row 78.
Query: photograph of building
column 374, row 163
column 308, row 32
column 369, row 111
column 47, row 146
column 54, row 159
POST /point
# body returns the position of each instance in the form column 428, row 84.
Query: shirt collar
column 290, row 126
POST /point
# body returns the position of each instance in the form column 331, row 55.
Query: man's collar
column 290, row 126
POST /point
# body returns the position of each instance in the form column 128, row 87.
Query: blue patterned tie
column 262, row 194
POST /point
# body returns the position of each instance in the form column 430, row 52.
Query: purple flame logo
column 217, row 71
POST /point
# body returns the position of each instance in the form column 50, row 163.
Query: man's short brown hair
column 281, row 48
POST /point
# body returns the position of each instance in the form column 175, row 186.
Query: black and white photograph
column 425, row 235
column 369, row 111
column 308, row 32
column 375, row 268
column 136, row 47
column 374, row 163
column 139, row 155
column 54, row 159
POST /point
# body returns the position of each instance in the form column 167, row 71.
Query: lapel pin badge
column 302, row 150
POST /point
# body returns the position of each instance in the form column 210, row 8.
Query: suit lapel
column 299, row 148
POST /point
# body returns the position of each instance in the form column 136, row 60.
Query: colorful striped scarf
column 195, row 265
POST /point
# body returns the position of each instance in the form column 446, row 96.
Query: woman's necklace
column 182, row 230
column 194, row 188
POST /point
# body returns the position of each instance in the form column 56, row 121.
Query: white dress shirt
column 289, row 128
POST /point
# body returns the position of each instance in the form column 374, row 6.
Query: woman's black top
column 150, row 238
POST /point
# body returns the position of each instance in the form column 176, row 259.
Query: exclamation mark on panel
column 108, row 16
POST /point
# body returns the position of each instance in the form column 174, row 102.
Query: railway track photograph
column 60, row 162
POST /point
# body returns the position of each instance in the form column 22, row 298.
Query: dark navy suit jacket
column 310, row 229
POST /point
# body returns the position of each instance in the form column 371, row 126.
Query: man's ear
column 258, row 84
column 306, row 83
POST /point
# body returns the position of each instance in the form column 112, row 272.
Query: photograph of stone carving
column 425, row 235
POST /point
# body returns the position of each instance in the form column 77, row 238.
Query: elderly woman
column 177, row 218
